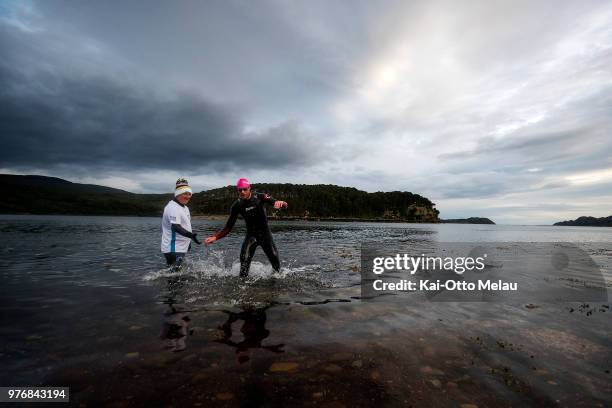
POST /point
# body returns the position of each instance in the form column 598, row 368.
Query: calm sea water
column 87, row 302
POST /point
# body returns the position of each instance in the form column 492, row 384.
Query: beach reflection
column 253, row 330
column 175, row 327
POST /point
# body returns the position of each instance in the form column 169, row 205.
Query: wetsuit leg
column 269, row 247
column 246, row 255
column 170, row 258
column 174, row 259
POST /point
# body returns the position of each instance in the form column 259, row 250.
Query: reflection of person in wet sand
column 176, row 319
column 253, row 329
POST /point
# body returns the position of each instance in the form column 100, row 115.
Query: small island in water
column 471, row 220
column 587, row 222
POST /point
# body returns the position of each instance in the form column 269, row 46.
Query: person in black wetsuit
column 251, row 206
column 253, row 329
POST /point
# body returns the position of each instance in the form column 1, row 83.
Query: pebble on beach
column 283, row 367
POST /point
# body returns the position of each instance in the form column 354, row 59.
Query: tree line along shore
column 50, row 195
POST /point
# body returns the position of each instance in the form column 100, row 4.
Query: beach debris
column 531, row 306
column 33, row 337
column 224, row 396
column 357, row 363
column 509, row 346
column 134, row 354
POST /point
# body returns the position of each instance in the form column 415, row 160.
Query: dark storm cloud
column 52, row 117
column 481, row 101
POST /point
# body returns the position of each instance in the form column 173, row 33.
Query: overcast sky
column 495, row 109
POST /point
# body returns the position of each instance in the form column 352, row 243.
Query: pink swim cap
column 243, row 183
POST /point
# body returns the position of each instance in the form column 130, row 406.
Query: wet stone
column 189, row 357
column 283, row 367
column 341, row 357
column 199, row 377
column 332, row 368
column 156, row 360
column 427, row 370
column 451, row 384
column 429, row 351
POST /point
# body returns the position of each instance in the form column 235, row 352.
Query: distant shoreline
column 223, row 217
column 586, row 222
column 216, row 217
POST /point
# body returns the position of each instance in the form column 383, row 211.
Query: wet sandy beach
column 350, row 354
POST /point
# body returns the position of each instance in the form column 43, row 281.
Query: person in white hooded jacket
column 176, row 225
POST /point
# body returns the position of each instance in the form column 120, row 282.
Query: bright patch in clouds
column 592, row 177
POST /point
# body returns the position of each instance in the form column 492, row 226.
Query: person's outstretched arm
column 182, row 231
column 267, row 198
column 226, row 230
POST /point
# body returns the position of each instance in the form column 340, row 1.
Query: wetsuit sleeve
column 229, row 224
column 266, row 198
column 182, row 231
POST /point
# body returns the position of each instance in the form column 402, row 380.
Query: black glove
column 195, row 239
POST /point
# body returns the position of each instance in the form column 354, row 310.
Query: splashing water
column 207, row 280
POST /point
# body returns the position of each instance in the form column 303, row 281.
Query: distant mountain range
column 50, row 195
column 588, row 222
